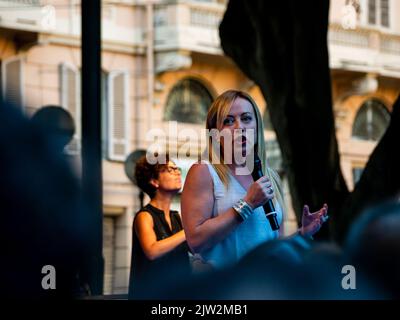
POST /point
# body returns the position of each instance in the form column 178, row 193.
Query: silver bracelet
column 243, row 209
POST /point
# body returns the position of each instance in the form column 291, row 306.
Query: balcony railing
column 364, row 38
column 205, row 17
column 353, row 38
column 364, row 50
column 23, row 2
column 390, row 44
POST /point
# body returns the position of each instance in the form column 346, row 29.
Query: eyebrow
column 244, row 113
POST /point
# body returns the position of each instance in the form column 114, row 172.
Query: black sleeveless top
column 149, row 278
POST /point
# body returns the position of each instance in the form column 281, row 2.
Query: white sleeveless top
column 248, row 235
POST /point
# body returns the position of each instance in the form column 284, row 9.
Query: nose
column 238, row 124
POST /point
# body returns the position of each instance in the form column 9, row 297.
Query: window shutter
column 12, row 80
column 385, row 13
column 372, row 11
column 118, row 116
column 70, row 100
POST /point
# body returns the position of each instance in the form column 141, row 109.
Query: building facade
column 162, row 66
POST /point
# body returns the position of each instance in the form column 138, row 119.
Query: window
column 378, row 12
column 385, row 13
column 71, row 101
column 12, row 80
column 114, row 91
column 372, row 11
column 371, row 120
column 118, row 116
column 188, row 101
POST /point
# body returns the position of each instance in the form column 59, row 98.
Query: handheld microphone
column 269, row 208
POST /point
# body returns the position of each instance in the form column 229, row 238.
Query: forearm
column 162, row 247
column 213, row 230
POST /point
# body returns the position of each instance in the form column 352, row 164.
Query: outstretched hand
column 312, row 221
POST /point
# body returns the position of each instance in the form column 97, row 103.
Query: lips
column 241, row 140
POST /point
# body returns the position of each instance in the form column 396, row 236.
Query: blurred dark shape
column 58, row 124
column 293, row 268
column 373, row 247
column 325, row 269
column 130, row 164
column 278, row 270
column 273, row 270
column 173, row 281
column 42, row 222
column 129, row 167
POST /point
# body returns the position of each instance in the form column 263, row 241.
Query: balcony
column 364, row 50
column 61, row 23
column 188, row 26
column 22, row 15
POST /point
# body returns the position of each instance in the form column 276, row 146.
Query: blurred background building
column 161, row 62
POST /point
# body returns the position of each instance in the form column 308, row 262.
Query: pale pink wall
column 130, row 17
column 335, row 10
column 42, row 73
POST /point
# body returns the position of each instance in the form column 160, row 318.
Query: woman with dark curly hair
column 159, row 245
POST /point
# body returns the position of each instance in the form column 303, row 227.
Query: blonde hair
column 217, row 113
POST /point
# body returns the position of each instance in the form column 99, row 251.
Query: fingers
column 266, row 186
column 320, row 215
column 264, row 181
column 324, row 219
column 269, row 192
column 323, row 213
column 306, row 210
column 324, row 210
column 261, row 191
column 317, row 225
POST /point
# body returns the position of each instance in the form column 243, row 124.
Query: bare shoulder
column 143, row 217
column 197, row 197
column 198, row 175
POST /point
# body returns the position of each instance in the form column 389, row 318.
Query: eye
column 228, row 121
column 247, row 118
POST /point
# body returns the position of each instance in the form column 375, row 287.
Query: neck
column 243, row 165
column 244, row 171
column 244, row 159
column 162, row 201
